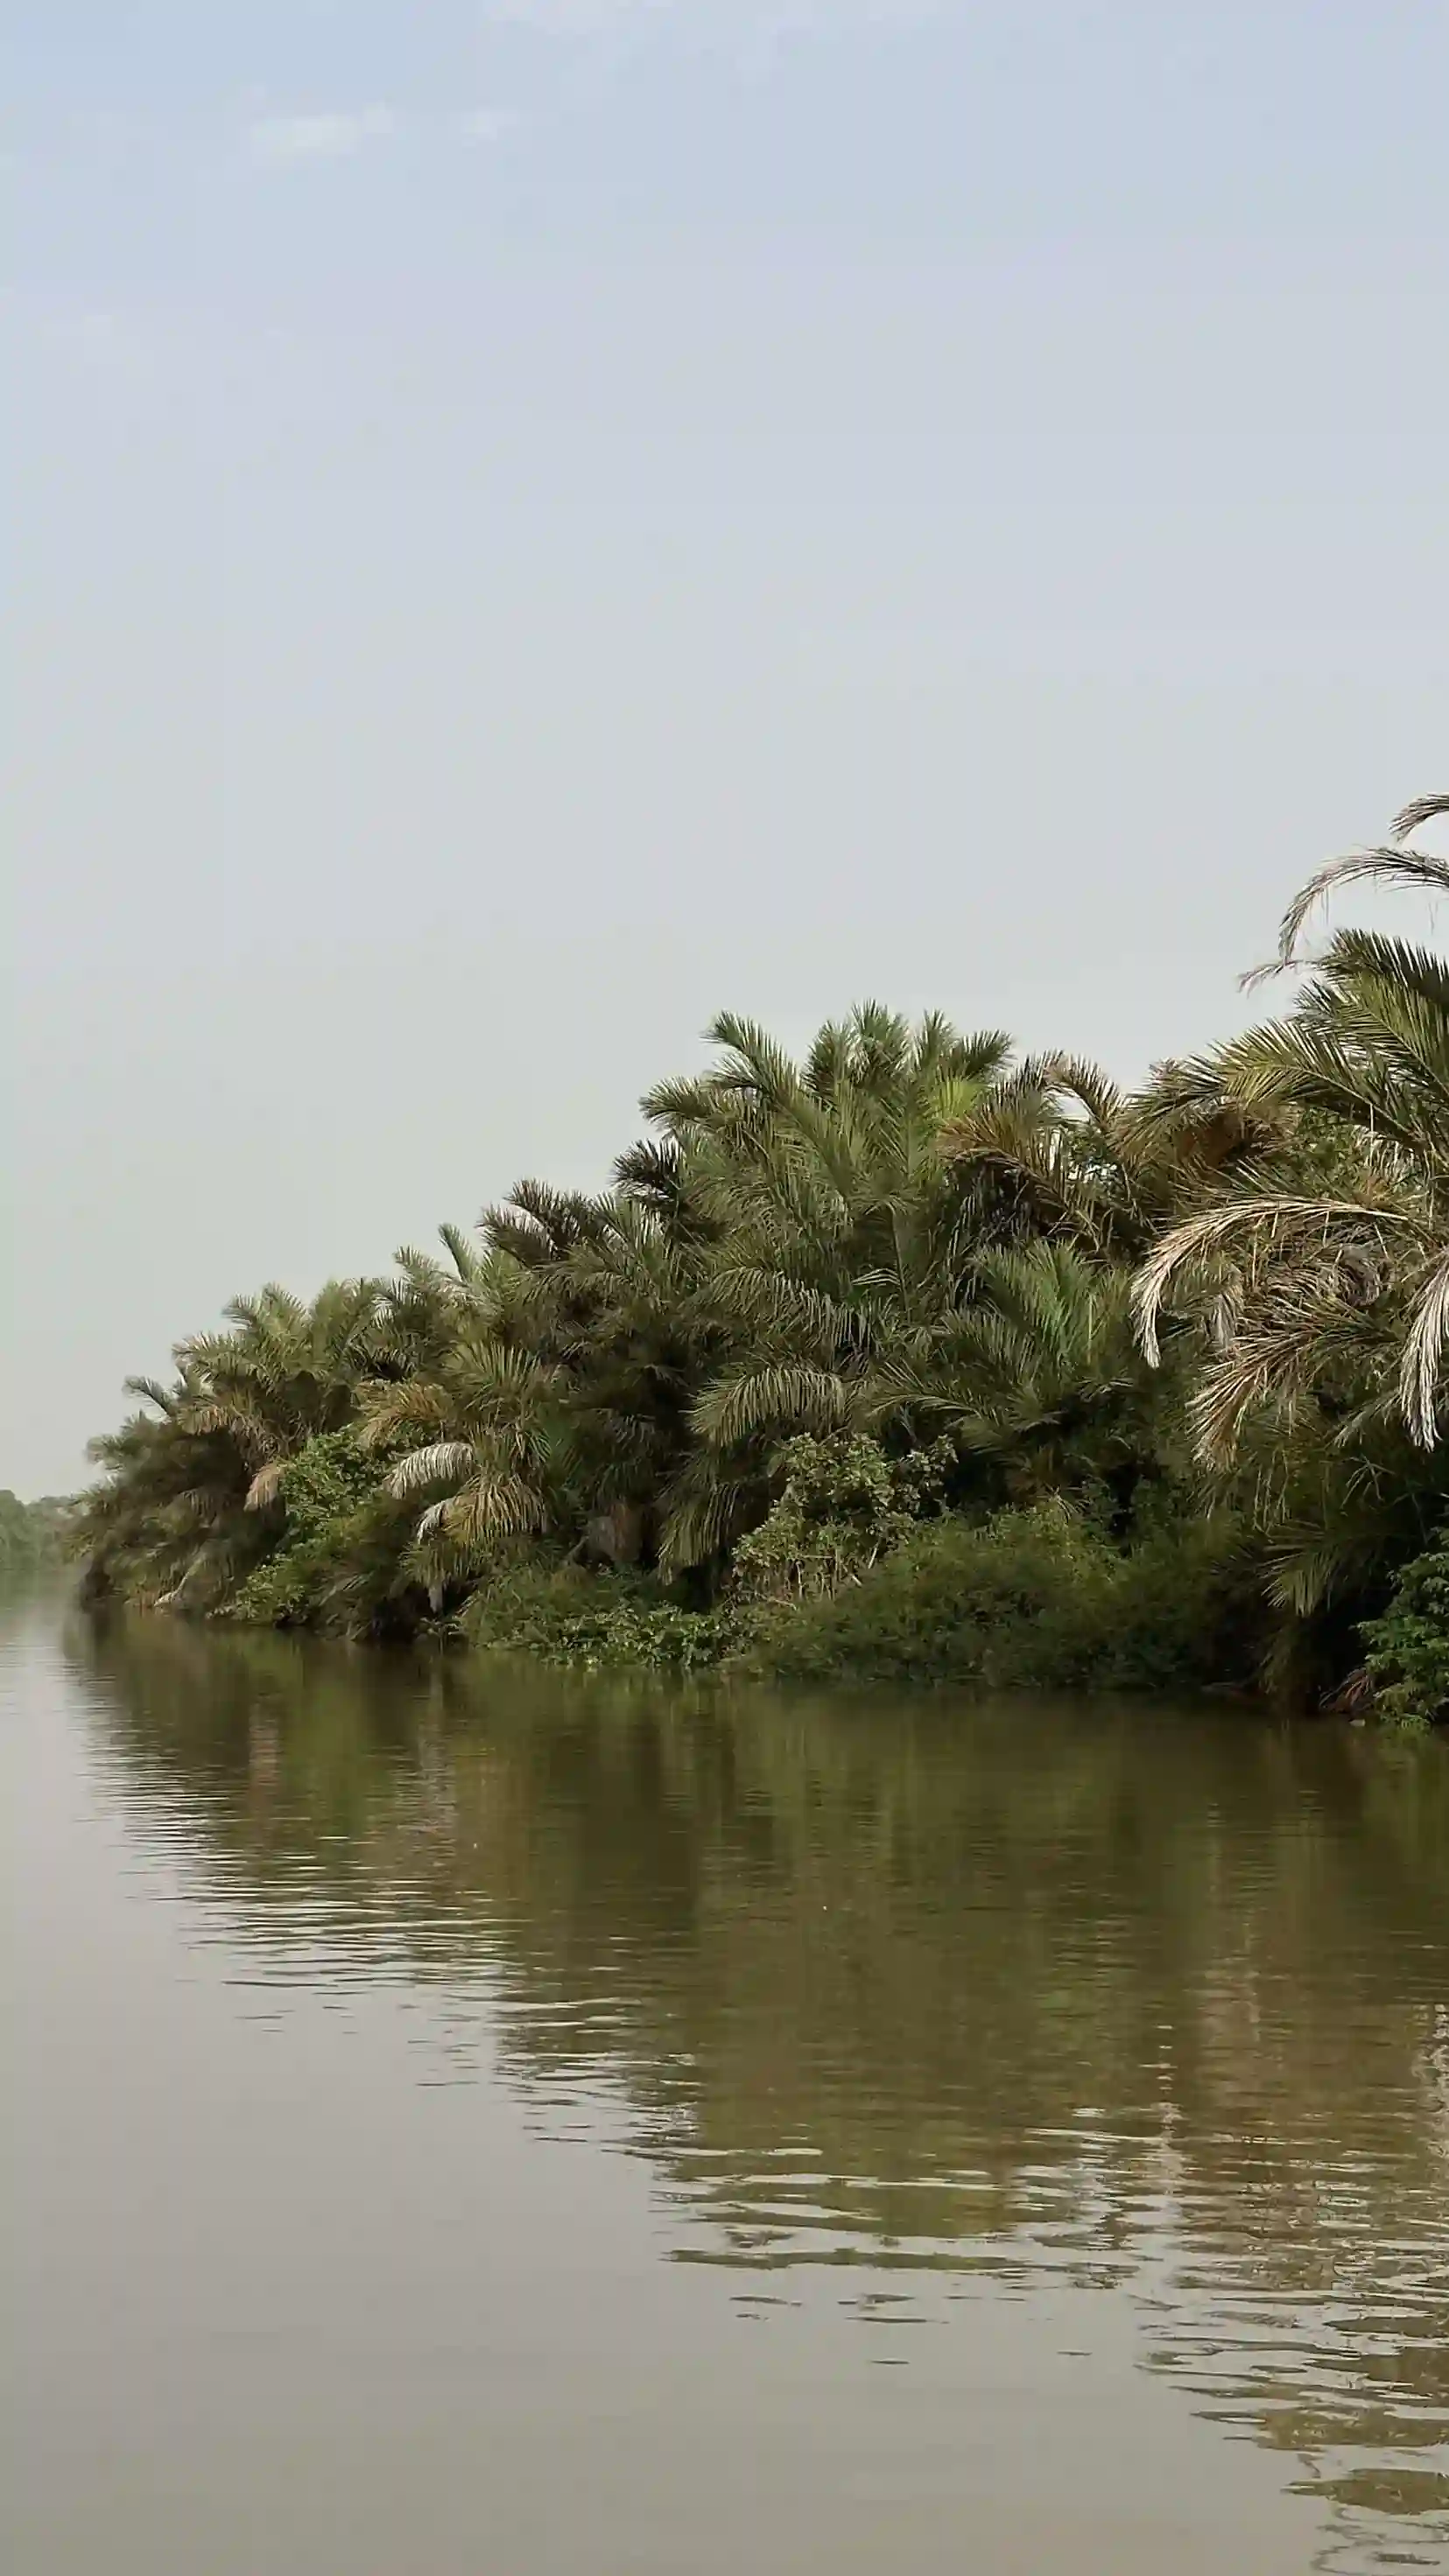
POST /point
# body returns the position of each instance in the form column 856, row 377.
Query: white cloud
column 489, row 124
column 327, row 135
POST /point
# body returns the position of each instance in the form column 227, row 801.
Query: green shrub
column 566, row 1616
column 843, row 1506
column 1038, row 1599
column 1408, row 1657
column 334, row 1497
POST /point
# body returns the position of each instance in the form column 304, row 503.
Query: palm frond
column 1423, row 1354
column 442, row 1462
column 1390, row 864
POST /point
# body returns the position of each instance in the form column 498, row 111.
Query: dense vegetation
column 31, row 1534
column 912, row 1359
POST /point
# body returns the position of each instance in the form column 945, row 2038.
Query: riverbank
column 1037, row 1599
column 859, row 1572
column 912, row 1360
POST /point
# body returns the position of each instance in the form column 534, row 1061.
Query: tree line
column 31, row 1534
column 916, row 1356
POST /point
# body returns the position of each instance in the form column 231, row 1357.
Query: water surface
column 470, row 2123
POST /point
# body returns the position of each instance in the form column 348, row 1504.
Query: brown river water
column 471, row 2122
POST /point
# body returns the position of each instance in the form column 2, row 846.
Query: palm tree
column 1041, row 1373
column 543, row 1383
column 190, row 1496
column 855, row 1227
column 167, row 1520
column 818, row 1213
column 1327, row 1305
column 473, row 1402
column 421, row 1309
column 284, row 1372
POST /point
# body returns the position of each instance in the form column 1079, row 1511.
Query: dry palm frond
column 1392, row 863
column 1277, row 1223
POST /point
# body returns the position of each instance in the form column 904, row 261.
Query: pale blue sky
column 534, row 521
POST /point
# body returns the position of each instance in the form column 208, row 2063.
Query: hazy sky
column 534, row 520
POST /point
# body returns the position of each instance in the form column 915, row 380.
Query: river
column 464, row 2121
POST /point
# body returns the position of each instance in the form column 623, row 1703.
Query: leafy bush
column 843, row 1506
column 337, row 1511
column 566, row 1616
column 1408, row 1657
column 1038, row 1599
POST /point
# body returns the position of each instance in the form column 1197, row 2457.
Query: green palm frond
column 776, row 1397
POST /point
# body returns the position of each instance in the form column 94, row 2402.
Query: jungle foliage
column 914, row 1358
column 32, row 1535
